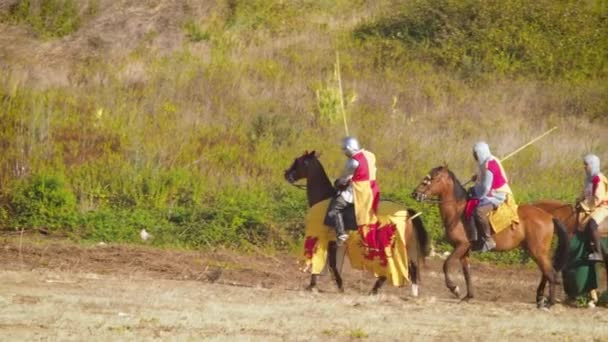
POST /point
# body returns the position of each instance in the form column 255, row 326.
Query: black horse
column 319, row 188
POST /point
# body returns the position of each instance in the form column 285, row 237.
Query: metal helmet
column 350, row 146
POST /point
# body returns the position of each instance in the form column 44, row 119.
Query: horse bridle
column 426, row 182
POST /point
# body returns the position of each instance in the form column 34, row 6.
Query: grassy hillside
column 180, row 116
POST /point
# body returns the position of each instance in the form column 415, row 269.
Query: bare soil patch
column 54, row 289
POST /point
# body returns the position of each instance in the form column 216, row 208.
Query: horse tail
column 422, row 236
column 561, row 252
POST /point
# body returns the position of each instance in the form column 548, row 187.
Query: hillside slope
column 181, row 116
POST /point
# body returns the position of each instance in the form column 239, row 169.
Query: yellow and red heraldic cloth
column 365, row 188
column 379, row 246
column 366, row 195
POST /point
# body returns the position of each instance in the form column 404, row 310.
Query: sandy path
column 49, row 302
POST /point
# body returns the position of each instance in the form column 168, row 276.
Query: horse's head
column 432, row 184
column 300, row 167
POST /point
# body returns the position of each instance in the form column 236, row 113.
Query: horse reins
column 299, row 186
column 432, row 201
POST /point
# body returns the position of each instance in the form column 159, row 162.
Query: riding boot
column 486, row 242
column 489, row 243
column 340, row 230
column 596, row 243
column 471, row 229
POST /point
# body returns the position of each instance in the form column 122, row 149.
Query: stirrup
column 488, row 245
column 341, row 239
column 595, row 256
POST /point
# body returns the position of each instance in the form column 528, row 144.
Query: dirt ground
column 52, row 289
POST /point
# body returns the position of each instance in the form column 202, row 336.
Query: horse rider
column 356, row 186
column 491, row 189
column 594, row 203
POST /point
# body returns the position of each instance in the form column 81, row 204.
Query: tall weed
column 191, row 144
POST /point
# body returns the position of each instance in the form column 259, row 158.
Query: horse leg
column 456, row 254
column 377, row 285
column 548, row 275
column 540, row 292
column 606, row 267
column 605, row 258
column 313, row 282
column 414, row 277
column 466, row 270
column 448, row 281
column 333, row 265
column 379, row 282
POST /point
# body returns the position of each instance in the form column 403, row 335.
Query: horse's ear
column 317, row 154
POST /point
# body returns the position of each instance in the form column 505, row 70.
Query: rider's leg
column 483, row 225
column 596, row 243
column 337, row 206
column 471, row 229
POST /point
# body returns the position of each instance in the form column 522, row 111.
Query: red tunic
column 365, row 188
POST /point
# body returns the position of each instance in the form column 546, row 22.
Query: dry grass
column 126, row 293
column 129, row 93
column 107, row 307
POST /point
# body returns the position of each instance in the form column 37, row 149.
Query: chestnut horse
column 534, row 232
column 568, row 214
column 319, row 188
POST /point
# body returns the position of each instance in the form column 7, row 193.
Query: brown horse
column 568, row 214
column 563, row 211
column 534, row 232
column 319, row 188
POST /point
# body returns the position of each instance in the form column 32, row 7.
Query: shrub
column 545, row 39
column 43, row 201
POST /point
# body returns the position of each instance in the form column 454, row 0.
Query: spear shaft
column 528, row 144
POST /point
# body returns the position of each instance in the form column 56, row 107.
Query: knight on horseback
column 491, row 190
column 356, row 186
column 594, row 203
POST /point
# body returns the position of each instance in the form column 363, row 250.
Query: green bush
column 474, row 38
column 43, row 201
column 191, row 142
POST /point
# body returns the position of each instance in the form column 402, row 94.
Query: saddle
column 501, row 218
column 348, row 215
column 504, row 216
column 603, row 228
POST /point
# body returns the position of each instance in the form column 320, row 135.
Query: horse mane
column 460, row 193
column 313, row 156
column 325, row 185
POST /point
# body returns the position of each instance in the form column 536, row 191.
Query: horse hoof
column 542, row 303
column 455, row 291
column 340, row 290
column 373, row 293
column 467, row 298
column 414, row 290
